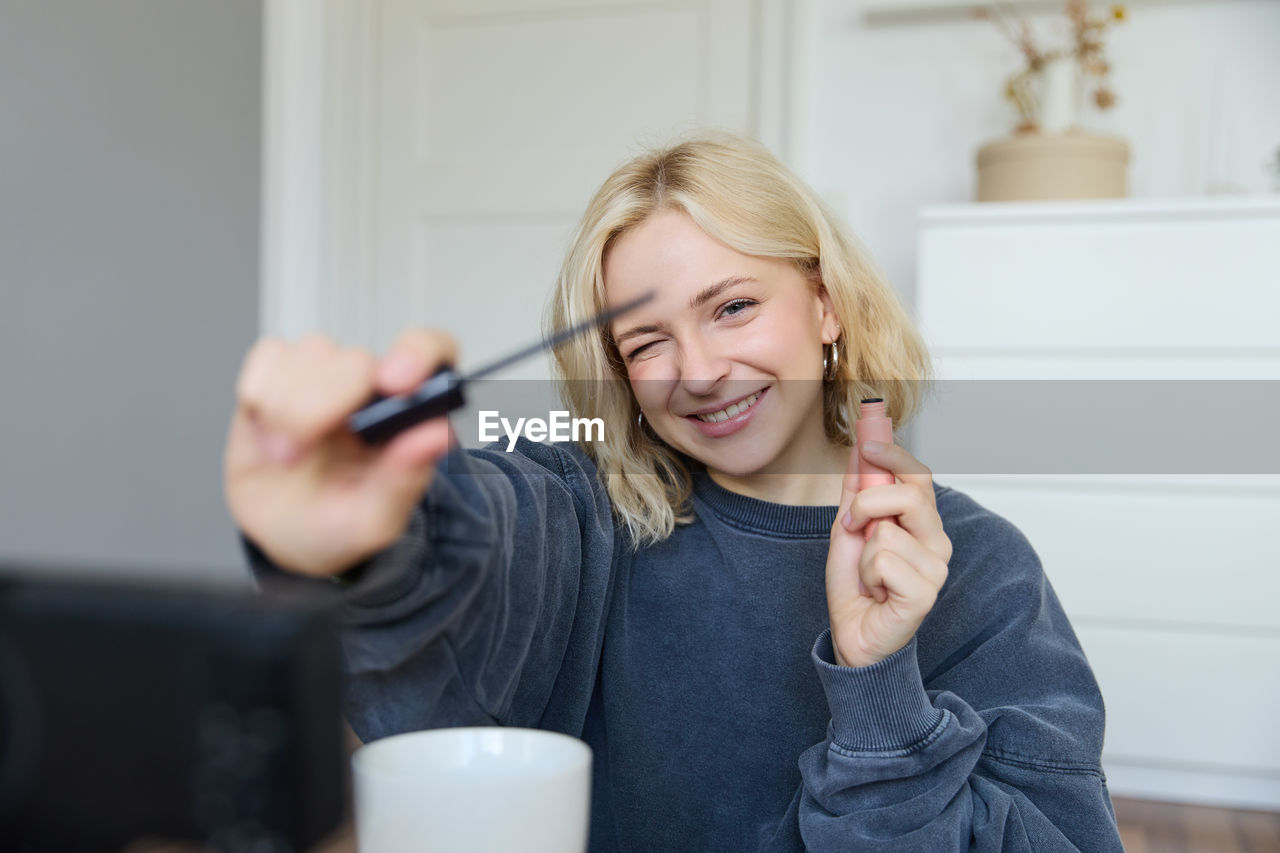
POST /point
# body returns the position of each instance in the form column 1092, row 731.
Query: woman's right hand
column 309, row 492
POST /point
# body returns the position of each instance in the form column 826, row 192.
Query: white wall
column 897, row 106
column 128, row 277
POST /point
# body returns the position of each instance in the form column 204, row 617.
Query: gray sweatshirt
column 700, row 670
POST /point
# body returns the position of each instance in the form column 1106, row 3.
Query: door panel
column 499, row 120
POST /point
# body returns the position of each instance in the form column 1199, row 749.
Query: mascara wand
column 387, row 417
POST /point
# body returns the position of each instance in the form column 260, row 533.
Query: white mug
column 489, row 789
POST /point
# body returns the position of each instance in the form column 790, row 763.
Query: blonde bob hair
column 741, row 195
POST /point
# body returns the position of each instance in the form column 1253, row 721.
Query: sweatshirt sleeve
column 494, row 595
column 984, row 733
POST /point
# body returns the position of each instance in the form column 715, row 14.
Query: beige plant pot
column 1041, row 167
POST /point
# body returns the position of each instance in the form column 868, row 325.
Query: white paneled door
column 426, row 160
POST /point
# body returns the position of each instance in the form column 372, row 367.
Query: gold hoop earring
column 830, row 366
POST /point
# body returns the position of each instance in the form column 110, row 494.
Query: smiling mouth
column 730, row 411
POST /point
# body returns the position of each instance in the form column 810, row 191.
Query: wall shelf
column 905, row 11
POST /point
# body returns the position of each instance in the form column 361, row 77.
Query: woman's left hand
column 880, row 589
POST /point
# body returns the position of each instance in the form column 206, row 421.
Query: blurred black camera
column 130, row 710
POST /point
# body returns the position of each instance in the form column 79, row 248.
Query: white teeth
column 736, row 409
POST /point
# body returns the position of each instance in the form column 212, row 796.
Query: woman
column 661, row 593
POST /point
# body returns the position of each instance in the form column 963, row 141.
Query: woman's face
column 726, row 361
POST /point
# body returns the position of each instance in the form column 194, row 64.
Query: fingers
column 415, row 357
column 905, row 467
column 911, row 509
column 891, row 579
column 910, row 503
column 891, row 545
column 257, row 369
column 296, row 393
column 292, row 394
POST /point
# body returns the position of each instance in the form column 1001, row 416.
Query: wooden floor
column 1148, row 827
column 1145, row 827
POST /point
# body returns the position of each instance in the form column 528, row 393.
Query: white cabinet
column 1170, row 576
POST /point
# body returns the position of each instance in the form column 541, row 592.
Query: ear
column 827, row 316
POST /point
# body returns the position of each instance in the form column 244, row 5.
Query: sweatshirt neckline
column 761, row 516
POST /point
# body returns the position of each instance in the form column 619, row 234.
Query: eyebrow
column 702, row 298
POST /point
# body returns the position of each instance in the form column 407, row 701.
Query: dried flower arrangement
column 1085, row 48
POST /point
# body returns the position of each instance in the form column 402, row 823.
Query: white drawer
column 1193, row 704
column 1117, row 275
column 1196, row 552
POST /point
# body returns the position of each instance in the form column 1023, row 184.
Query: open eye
column 735, row 307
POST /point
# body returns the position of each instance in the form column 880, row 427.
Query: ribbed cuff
column 878, row 708
column 393, row 572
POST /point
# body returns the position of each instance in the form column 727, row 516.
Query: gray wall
column 129, row 174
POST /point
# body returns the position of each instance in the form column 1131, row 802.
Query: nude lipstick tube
column 873, row 425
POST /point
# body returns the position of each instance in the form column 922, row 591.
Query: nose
column 702, row 366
